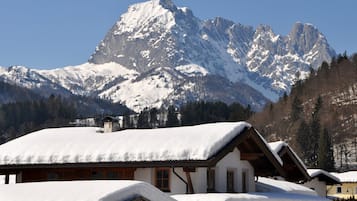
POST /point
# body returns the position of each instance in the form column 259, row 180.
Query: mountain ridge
column 159, row 46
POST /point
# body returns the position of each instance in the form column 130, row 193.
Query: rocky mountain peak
column 168, row 4
column 303, row 37
column 156, row 36
column 263, row 28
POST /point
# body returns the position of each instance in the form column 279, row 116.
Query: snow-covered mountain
column 159, row 54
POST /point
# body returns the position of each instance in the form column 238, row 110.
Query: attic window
column 162, row 179
column 338, row 189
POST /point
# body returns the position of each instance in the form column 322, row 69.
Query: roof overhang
column 249, row 142
column 295, row 170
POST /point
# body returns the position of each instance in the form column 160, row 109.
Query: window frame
column 211, row 180
column 159, row 182
column 230, row 180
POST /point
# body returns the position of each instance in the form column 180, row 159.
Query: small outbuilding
column 347, row 187
column 320, row 179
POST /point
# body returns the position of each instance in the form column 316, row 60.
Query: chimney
column 111, row 124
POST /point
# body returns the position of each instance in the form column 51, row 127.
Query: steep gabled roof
column 323, row 175
column 346, row 177
column 88, row 145
column 292, row 164
column 190, row 146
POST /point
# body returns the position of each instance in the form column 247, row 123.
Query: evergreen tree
column 315, row 133
column 154, row 122
column 143, row 119
column 325, row 154
column 237, row 112
column 172, row 119
column 302, row 138
column 296, row 109
column 314, row 141
column 317, row 107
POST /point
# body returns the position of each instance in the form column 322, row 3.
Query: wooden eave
column 248, row 142
column 292, row 166
column 327, row 179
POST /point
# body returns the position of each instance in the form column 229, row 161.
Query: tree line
column 192, row 113
column 19, row 118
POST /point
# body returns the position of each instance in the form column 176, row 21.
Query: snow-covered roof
column 87, row 145
column 279, row 145
column 277, row 186
column 350, row 176
column 248, row 196
column 319, row 172
column 82, row 190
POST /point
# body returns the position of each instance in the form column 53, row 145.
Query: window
column 211, row 180
column 244, row 181
column 163, row 179
column 230, row 181
column 338, row 189
column 112, row 175
column 96, row 175
column 52, row 176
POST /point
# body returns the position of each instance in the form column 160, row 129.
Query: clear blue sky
column 46, row 34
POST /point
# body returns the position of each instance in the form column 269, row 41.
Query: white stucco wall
column 144, row 174
column 12, row 179
column 246, row 166
column 199, row 178
column 232, row 161
column 318, row 186
column 177, row 186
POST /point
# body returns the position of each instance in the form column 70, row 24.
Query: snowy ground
column 269, row 189
column 128, row 190
column 248, row 196
column 81, row 191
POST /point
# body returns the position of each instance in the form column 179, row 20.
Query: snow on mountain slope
column 144, row 14
column 158, row 54
column 150, row 90
column 88, row 78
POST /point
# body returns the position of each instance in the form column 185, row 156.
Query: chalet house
column 217, row 157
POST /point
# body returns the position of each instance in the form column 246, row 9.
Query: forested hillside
column 320, row 112
column 11, row 93
column 17, row 119
column 23, row 111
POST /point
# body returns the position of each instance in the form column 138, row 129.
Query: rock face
column 158, row 54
